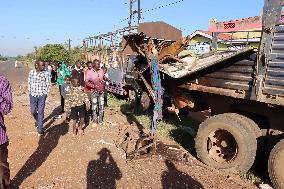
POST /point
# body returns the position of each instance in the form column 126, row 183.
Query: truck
column 244, row 90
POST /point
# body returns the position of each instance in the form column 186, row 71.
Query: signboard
column 251, row 23
column 202, row 48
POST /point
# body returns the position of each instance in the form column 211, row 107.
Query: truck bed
column 177, row 70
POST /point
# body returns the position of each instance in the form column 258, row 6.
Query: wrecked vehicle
column 243, row 88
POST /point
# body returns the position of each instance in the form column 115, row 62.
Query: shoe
column 40, row 133
column 94, row 125
column 102, row 123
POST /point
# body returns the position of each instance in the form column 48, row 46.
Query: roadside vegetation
column 53, row 53
column 181, row 131
column 2, row 58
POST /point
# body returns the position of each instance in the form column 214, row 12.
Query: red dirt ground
column 59, row 160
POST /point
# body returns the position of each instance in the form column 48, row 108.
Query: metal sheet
column 177, row 70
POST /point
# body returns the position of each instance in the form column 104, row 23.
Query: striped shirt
column 39, row 83
column 6, row 104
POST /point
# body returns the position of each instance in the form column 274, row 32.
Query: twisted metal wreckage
column 137, row 142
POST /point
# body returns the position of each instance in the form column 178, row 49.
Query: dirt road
column 59, row 160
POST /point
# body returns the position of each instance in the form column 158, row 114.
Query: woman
column 62, row 72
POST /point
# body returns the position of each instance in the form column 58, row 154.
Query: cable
column 153, row 9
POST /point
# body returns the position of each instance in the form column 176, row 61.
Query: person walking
column 89, row 113
column 78, row 73
column 6, row 105
column 62, row 72
column 106, row 85
column 49, row 69
column 95, row 79
column 76, row 102
column 38, row 86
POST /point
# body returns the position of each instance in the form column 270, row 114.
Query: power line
column 153, row 9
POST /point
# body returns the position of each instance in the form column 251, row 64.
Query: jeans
column 37, row 105
column 97, row 106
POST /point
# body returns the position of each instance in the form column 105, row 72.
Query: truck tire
column 226, row 143
column 275, row 165
column 250, row 124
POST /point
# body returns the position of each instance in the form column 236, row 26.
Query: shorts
column 77, row 112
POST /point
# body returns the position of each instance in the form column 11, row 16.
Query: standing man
column 62, row 72
column 39, row 86
column 49, row 69
column 95, row 79
column 16, row 64
column 6, row 104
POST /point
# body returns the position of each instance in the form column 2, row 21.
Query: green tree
column 54, row 53
column 2, row 58
column 76, row 54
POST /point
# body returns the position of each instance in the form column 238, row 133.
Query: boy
column 65, row 87
column 76, row 101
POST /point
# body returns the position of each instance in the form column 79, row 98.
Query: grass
column 170, row 128
column 252, row 177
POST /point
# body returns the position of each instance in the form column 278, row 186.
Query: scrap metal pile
column 137, row 142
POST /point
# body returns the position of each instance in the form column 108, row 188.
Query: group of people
column 82, row 92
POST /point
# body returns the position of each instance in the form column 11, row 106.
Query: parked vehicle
column 243, row 88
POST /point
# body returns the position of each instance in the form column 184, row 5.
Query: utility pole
column 69, row 49
column 130, row 15
column 139, row 12
column 69, row 45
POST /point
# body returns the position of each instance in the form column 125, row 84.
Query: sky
column 25, row 24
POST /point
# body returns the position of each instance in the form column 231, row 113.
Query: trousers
column 4, row 167
column 62, row 100
column 37, row 105
column 97, row 106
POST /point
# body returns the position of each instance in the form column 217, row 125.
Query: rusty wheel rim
column 222, row 146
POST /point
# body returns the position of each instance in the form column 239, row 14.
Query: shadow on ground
column 103, row 172
column 54, row 113
column 46, row 145
column 173, row 178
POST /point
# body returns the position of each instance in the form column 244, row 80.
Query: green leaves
column 2, row 58
column 54, row 53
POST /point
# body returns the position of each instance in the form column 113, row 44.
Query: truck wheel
column 250, row 124
column 226, row 143
column 275, row 165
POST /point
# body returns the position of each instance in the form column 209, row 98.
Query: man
column 6, row 104
column 62, row 72
column 39, row 86
column 95, row 79
column 49, row 69
column 78, row 73
column 107, row 84
column 16, row 64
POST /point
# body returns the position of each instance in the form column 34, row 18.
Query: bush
column 54, row 53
